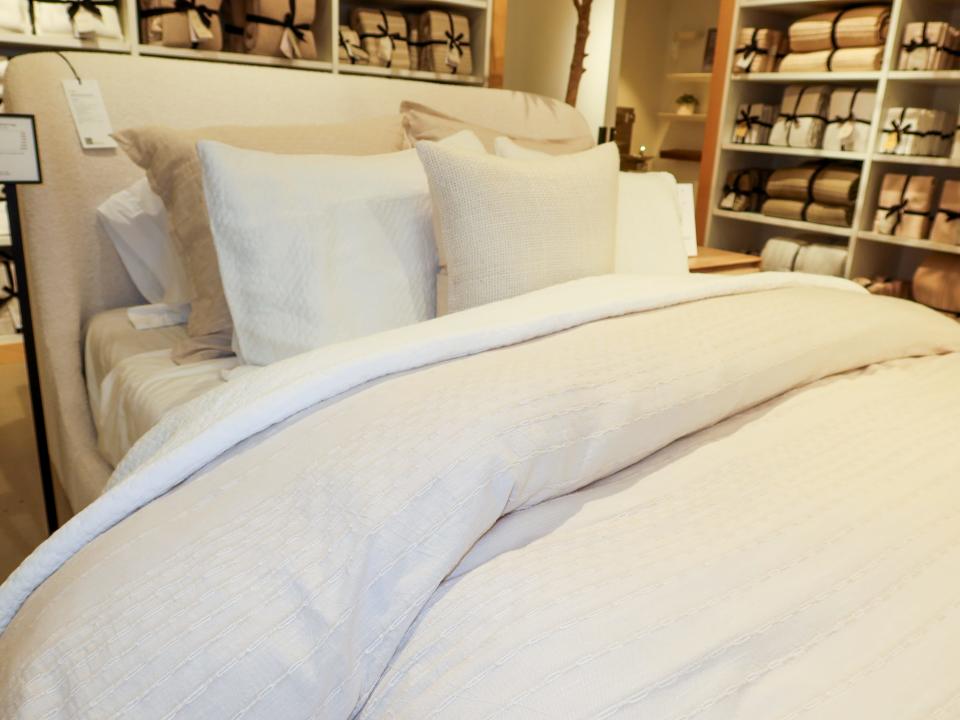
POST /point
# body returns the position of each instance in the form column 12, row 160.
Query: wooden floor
column 22, row 525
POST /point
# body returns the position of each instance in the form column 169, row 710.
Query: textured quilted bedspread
column 743, row 501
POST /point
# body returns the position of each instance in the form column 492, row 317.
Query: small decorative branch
column 579, row 49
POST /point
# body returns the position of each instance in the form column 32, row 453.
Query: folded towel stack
column 383, row 35
column 790, row 255
column 351, row 52
column 15, row 16
column 930, row 46
column 946, row 223
column 758, row 50
column 937, row 282
column 444, row 40
column 753, row 124
column 918, row 131
column 90, row 19
column 848, row 119
column 745, row 190
column 815, row 192
column 905, row 205
column 847, row 40
column 280, row 28
column 803, row 117
column 181, row 23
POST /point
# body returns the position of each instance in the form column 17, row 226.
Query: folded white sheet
column 15, row 16
column 52, row 18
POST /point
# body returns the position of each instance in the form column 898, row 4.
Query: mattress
column 132, row 381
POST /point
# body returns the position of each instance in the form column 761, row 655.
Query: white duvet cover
column 410, row 525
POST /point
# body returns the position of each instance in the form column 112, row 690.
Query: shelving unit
column 330, row 14
column 869, row 253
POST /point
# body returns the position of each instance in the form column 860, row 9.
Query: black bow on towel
column 951, row 215
column 752, row 47
column 181, row 6
column 298, row 29
column 745, row 118
column 383, row 31
column 88, row 5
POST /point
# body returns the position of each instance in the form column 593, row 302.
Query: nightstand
column 723, row 262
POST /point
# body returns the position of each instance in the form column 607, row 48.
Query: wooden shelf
column 798, row 225
column 229, row 57
column 915, row 160
column 715, row 260
column 692, row 77
column 795, row 152
column 680, row 117
column 909, row 242
column 809, row 77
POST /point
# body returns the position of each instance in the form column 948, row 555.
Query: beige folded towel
column 840, row 216
column 904, row 205
column 351, row 52
column 753, row 124
column 383, row 34
column 756, row 50
column 803, row 117
column 861, row 59
column 445, row 39
column 847, row 28
column 927, row 46
column 849, row 117
column 937, row 282
column 828, row 183
column 744, row 190
column 946, row 224
column 168, row 23
column 281, row 28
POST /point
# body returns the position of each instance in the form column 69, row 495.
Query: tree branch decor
column 579, row 49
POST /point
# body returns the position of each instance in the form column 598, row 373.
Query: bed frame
column 73, row 269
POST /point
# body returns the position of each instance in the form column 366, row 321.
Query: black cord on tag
column 70, row 65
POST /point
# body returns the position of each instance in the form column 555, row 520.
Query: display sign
column 19, row 158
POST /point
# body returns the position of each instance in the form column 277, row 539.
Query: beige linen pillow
column 169, row 157
column 508, row 227
column 424, row 123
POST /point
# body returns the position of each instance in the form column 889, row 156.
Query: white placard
column 89, row 114
column 19, row 161
column 688, row 218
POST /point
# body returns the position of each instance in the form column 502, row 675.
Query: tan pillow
column 424, row 123
column 508, row 227
column 169, row 157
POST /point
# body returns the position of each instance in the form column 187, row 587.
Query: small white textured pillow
column 508, row 227
column 649, row 236
column 319, row 249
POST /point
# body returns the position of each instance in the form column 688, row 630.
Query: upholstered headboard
column 73, row 269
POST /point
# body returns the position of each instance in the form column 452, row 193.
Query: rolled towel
column 861, row 59
column 851, row 27
column 822, row 259
column 780, row 254
column 836, row 215
column 828, row 183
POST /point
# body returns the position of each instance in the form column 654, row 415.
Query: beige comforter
column 795, row 556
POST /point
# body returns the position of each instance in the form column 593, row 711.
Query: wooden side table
column 723, row 262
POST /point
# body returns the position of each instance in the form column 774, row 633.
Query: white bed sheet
column 132, row 382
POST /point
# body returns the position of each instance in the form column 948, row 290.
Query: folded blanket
column 946, row 223
column 849, row 117
column 916, row 131
column 94, row 18
column 233, row 14
column 445, row 41
column 182, row 23
column 753, row 124
column 838, row 215
column 744, row 190
column 828, row 183
column 936, row 282
column 15, row 16
column 861, row 59
column 802, row 117
column 792, row 255
column 282, row 28
column 383, row 34
column 928, row 46
column 850, row 27
column 350, row 51
column 904, row 206
column 756, row 50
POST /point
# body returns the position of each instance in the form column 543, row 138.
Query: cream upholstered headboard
column 73, row 269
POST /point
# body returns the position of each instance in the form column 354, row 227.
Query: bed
column 624, row 495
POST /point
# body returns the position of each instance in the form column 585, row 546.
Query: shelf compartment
column 794, row 152
column 809, row 77
column 230, row 57
column 909, row 242
column 798, row 225
column 680, row 117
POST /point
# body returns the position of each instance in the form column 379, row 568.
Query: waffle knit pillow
column 508, row 227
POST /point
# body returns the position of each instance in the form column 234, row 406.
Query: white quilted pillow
column 508, row 227
column 649, row 236
column 318, row 249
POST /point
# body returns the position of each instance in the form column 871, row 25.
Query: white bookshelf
column 330, row 15
column 869, row 253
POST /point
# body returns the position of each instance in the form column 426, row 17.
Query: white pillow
column 508, row 227
column 319, row 249
column 649, row 235
column 136, row 221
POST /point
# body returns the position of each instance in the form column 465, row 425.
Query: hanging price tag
column 890, row 142
column 89, row 114
column 289, row 47
column 85, row 24
column 198, row 31
column 746, row 61
column 453, row 58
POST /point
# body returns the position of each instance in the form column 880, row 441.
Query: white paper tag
column 89, row 114
column 289, row 47
column 85, row 24
column 453, row 57
column 198, row 31
column 385, row 50
column 746, row 61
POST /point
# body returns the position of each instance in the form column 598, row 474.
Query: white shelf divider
column 808, row 153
